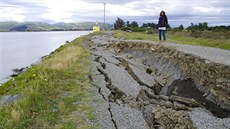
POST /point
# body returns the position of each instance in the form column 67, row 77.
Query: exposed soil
column 147, row 85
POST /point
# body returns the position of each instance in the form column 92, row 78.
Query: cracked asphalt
column 133, row 95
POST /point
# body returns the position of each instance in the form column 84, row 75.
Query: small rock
column 145, row 46
column 118, row 50
column 213, row 92
column 153, row 49
column 169, row 118
column 129, row 56
column 147, row 114
column 222, row 80
column 18, row 71
column 186, row 101
column 166, row 98
column 207, row 62
column 146, row 103
column 153, row 101
column 9, row 99
column 161, row 81
column 218, row 85
column 179, row 106
column 229, row 81
column 93, row 48
column 130, row 45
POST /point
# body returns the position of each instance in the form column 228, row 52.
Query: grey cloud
column 31, row 10
column 29, row 7
column 22, row 4
column 223, row 4
column 110, row 1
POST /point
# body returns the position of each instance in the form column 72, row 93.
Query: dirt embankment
column 145, row 85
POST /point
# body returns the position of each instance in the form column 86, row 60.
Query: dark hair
column 162, row 13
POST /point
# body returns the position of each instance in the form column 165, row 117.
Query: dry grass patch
column 63, row 59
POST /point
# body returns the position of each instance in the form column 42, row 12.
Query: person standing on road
column 162, row 23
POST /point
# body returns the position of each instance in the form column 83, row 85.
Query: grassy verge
column 179, row 38
column 54, row 93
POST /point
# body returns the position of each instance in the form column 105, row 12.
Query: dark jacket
column 163, row 21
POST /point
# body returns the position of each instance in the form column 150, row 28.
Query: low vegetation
column 201, row 38
column 196, row 34
column 54, row 93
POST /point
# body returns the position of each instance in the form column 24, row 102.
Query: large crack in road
column 142, row 87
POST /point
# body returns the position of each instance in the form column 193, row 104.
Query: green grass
column 54, row 93
column 135, row 36
column 179, row 38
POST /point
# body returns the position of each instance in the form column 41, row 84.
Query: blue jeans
column 162, row 32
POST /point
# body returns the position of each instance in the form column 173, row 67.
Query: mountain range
column 41, row 26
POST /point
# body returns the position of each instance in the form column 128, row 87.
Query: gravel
column 216, row 55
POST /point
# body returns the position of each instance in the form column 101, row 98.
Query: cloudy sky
column 215, row 12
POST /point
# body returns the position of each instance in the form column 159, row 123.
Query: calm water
column 21, row 49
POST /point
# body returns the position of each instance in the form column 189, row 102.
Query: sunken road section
column 146, row 85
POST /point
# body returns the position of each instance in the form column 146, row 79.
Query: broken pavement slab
column 127, row 118
column 128, row 75
column 138, row 71
column 121, row 79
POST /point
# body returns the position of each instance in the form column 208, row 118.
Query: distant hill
column 41, row 26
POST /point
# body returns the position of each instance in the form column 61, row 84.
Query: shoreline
column 50, row 90
column 17, row 71
column 47, row 31
column 25, row 59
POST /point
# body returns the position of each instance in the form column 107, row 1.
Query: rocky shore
column 148, row 85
